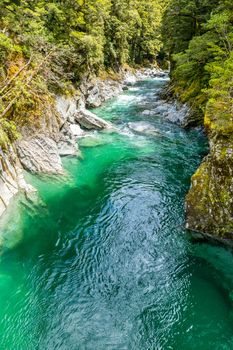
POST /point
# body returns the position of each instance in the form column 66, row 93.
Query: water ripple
column 107, row 265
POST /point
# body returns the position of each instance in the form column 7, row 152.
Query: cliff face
column 11, row 178
column 209, row 202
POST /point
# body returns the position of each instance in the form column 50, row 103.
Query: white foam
column 172, row 111
column 126, row 99
column 143, row 127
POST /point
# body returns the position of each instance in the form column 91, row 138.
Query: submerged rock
column 66, row 107
column 91, row 141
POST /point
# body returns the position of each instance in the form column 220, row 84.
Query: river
column 103, row 261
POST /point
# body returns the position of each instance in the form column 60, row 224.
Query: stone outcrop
column 66, row 107
column 67, row 144
column 88, row 120
column 209, row 203
column 39, row 154
column 11, row 178
column 97, row 91
column 40, row 150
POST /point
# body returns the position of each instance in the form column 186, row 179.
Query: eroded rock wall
column 209, row 203
column 11, row 178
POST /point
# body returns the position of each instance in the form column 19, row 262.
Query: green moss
column 209, row 201
column 4, row 140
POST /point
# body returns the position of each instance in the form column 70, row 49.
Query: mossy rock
column 209, row 203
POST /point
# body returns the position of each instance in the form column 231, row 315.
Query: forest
column 116, row 174
column 47, row 47
column 198, row 36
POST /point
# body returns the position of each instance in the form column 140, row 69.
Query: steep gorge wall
column 11, row 178
column 209, row 203
column 198, row 37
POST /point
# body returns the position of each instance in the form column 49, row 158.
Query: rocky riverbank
column 11, row 178
column 40, row 148
column 209, row 203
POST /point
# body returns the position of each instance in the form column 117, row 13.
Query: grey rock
column 67, row 144
column 39, row 154
column 99, row 91
column 66, row 108
column 92, row 140
column 90, row 121
column 76, row 130
column 130, row 78
column 48, row 123
column 94, row 97
column 148, row 113
column 11, row 178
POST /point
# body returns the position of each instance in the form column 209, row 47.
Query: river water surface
column 103, row 262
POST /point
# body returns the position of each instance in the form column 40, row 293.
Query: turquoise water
column 102, row 260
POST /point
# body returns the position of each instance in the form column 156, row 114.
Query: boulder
column 148, row 113
column 67, row 144
column 66, row 108
column 92, row 140
column 11, row 178
column 94, row 99
column 99, row 91
column 39, row 154
column 76, row 130
column 130, row 78
column 88, row 120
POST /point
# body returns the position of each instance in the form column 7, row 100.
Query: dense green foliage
column 48, row 46
column 198, row 36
